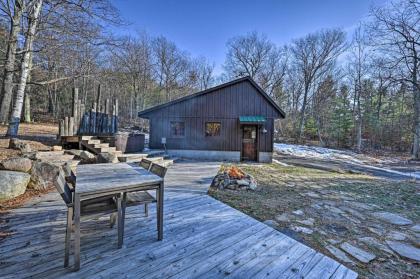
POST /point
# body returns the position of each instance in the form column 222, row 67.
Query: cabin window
column 213, row 129
column 177, row 129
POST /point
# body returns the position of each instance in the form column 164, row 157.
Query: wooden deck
column 203, row 238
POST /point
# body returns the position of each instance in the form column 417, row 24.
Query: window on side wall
column 213, row 129
column 177, row 129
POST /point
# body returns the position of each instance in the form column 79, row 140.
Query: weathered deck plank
column 204, row 238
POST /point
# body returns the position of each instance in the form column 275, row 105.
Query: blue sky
column 203, row 27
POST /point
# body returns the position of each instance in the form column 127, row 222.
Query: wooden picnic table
column 97, row 180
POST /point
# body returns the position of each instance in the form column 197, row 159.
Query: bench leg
column 146, row 209
column 68, row 236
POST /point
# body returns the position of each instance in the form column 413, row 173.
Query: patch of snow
column 347, row 156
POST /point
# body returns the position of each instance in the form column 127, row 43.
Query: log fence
column 100, row 119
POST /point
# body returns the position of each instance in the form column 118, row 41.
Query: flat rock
column 12, row 184
column 396, row 235
column 312, row 195
column 75, row 152
column 392, row 218
column 302, row 229
column 308, row 222
column 416, row 228
column 373, row 242
column 338, row 254
column 298, row 212
column 377, row 231
column 405, row 250
column 284, row 217
column 16, row 164
column 361, row 255
column 242, row 182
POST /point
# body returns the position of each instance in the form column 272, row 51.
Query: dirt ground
column 39, row 136
column 326, row 209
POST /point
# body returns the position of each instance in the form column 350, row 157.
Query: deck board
column 203, row 238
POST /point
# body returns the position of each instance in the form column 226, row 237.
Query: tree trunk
column 27, row 101
column 302, row 114
column 416, row 92
column 27, row 108
column 24, row 71
column 9, row 67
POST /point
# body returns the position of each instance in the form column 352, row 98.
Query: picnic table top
column 96, row 178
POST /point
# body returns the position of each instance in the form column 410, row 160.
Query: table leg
column 123, row 207
column 120, row 221
column 77, row 232
column 160, row 212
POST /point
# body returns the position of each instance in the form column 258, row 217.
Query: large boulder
column 106, row 157
column 12, row 184
column 18, row 144
column 87, row 157
column 43, row 175
column 16, row 164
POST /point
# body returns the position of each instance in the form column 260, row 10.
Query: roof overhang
column 255, row 119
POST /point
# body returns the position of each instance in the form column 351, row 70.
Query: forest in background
column 356, row 90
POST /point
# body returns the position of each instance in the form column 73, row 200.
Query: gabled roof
column 227, row 84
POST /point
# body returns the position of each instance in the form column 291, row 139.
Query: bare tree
column 202, row 71
column 33, row 20
column 15, row 15
column 357, row 69
column 170, row 66
column 395, row 32
column 255, row 56
column 313, row 56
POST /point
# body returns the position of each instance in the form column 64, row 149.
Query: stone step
column 48, row 154
column 155, row 153
column 94, row 141
column 88, row 137
column 101, row 145
column 155, row 159
column 130, row 158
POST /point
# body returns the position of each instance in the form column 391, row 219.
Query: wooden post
column 75, row 110
column 98, row 97
column 79, row 115
column 116, row 116
column 106, row 117
column 93, row 119
column 82, row 115
column 71, row 126
column 66, row 126
column 61, row 127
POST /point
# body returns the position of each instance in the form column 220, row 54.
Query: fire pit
column 233, row 178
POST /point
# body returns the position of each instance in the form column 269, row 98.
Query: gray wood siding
column 224, row 105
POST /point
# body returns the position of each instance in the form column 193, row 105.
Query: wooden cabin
column 233, row 121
